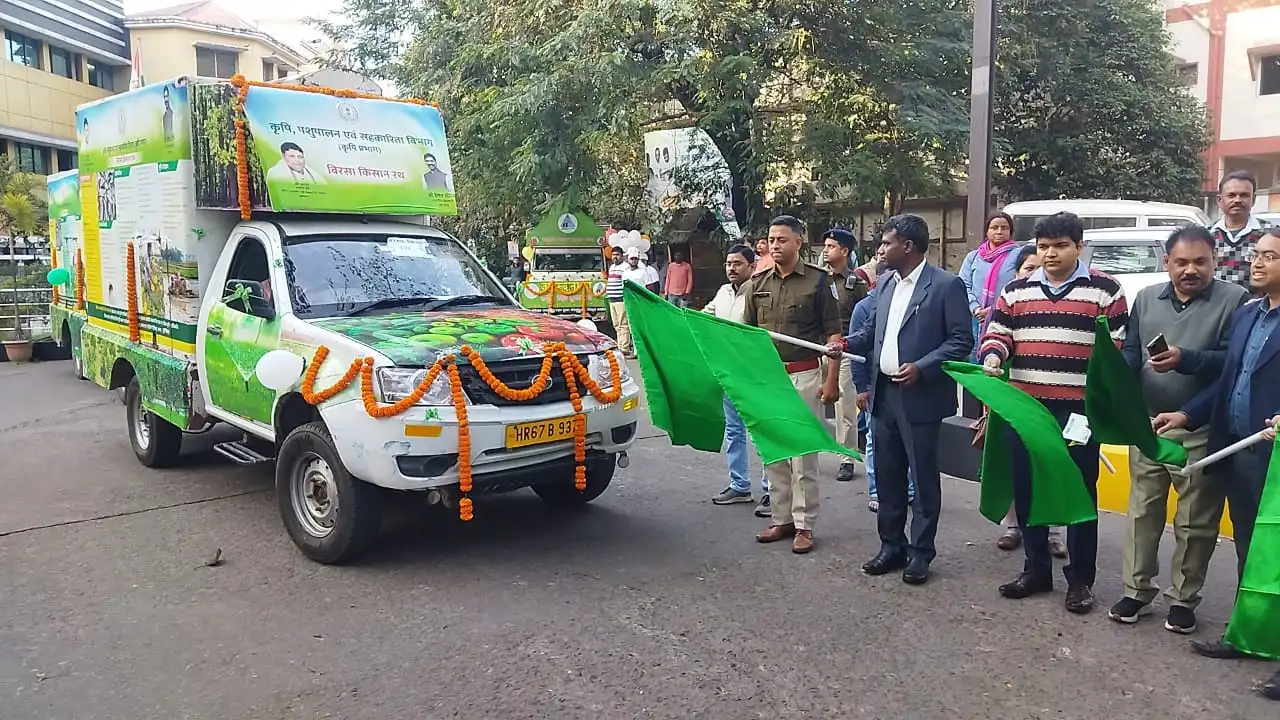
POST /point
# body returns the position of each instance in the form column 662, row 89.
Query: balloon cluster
column 626, row 239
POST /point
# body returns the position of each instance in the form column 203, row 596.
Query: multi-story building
column 58, row 54
column 1229, row 53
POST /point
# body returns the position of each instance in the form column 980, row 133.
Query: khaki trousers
column 618, row 316
column 846, row 430
column 793, row 484
column 1195, row 524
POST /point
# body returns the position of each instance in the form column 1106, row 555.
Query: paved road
column 651, row 603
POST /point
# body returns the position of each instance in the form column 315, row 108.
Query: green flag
column 1058, row 494
column 1114, row 404
column 1253, row 627
column 690, row 361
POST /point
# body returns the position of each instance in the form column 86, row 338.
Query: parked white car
column 1133, row 256
column 1099, row 214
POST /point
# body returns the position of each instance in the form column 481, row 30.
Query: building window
column 68, row 160
column 215, row 63
column 1269, row 75
column 32, row 158
column 22, row 49
column 102, row 76
column 62, row 62
column 1188, row 74
column 268, row 71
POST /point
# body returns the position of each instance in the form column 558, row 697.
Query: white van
column 1099, row 214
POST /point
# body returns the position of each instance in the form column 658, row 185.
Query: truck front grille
column 517, row 374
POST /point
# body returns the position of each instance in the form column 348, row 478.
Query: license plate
column 537, row 433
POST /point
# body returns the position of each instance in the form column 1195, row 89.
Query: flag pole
column 1225, row 452
column 811, row 346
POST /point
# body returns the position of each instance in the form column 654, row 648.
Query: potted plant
column 19, row 215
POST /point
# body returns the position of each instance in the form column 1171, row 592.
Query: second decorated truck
column 261, row 256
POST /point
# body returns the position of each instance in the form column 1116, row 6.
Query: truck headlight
column 598, row 365
column 396, row 383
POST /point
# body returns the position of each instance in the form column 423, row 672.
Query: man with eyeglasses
column 1244, row 400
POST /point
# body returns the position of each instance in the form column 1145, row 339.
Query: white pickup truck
column 362, row 351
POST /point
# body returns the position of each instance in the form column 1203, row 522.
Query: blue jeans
column 869, row 457
column 735, row 434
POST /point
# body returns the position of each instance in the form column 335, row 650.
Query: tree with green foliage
column 21, row 211
column 1089, row 105
column 547, row 101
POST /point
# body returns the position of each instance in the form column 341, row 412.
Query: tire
column 330, row 515
column 562, row 493
column 77, row 360
column 156, row 442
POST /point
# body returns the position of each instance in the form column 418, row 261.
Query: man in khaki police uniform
column 794, row 298
column 839, row 249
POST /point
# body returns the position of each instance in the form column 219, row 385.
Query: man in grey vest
column 1176, row 344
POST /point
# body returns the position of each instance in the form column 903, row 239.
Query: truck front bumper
column 418, row 450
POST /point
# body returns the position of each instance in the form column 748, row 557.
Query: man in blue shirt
column 1244, row 401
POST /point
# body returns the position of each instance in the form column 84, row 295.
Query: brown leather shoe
column 774, row 533
column 803, row 542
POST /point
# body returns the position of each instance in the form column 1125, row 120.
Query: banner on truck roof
column 147, row 125
column 330, row 154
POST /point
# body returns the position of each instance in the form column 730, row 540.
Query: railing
column 33, row 309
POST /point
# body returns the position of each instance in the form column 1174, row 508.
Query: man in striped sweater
column 1043, row 326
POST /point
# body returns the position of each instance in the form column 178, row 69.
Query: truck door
column 243, row 325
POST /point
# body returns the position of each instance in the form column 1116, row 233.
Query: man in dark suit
column 1244, row 400
column 921, row 319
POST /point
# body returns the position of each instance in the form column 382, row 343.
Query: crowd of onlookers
column 1202, row 346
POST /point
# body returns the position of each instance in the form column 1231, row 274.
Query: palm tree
column 19, row 215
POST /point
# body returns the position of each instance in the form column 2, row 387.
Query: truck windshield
column 336, row 274
column 545, row 260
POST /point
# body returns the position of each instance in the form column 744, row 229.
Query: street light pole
column 981, row 114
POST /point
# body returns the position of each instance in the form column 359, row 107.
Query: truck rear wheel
column 156, row 442
column 562, row 493
column 331, row 516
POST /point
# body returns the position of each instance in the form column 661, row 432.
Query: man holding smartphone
column 1176, row 344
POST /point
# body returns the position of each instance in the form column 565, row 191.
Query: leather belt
column 800, row 366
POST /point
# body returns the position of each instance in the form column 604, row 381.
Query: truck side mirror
column 249, row 297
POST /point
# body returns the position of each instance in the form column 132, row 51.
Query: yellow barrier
column 1113, row 488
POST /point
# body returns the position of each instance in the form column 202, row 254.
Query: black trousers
column 903, row 446
column 1082, row 538
column 1242, row 476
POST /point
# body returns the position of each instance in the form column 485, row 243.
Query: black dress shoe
column 1025, row 586
column 846, row 473
column 1271, row 688
column 884, row 562
column 917, row 572
column 1218, row 650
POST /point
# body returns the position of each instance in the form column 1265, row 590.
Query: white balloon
column 635, row 236
column 279, row 370
column 643, row 245
column 587, row 324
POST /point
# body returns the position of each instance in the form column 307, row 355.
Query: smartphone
column 1157, row 345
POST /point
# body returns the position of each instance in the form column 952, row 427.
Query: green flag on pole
column 690, row 361
column 1253, row 627
column 1114, row 404
column 1058, row 494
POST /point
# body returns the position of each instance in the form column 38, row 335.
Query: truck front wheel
column 561, row 492
column 331, row 516
column 156, row 442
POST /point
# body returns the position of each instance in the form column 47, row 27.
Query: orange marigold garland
column 505, row 391
column 242, row 148
column 309, row 379
column 131, row 287
column 465, row 510
column 570, row 366
column 579, row 419
column 79, row 281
